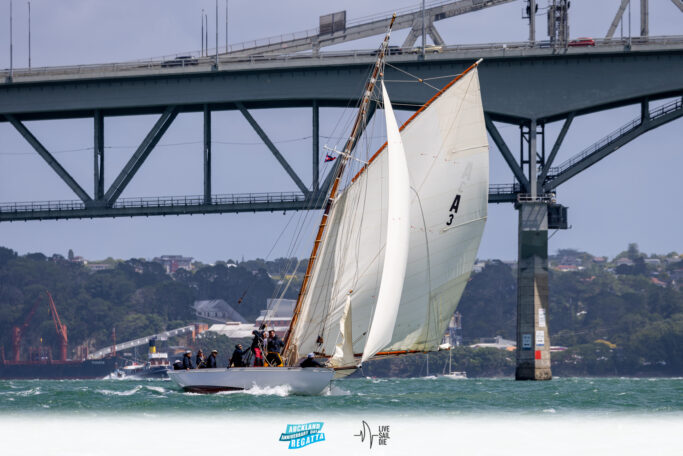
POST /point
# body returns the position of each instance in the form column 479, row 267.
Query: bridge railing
column 616, row 134
column 155, row 202
column 42, row 206
column 504, row 189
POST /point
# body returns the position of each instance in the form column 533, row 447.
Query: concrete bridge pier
column 533, row 343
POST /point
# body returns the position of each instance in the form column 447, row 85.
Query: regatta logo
column 301, row 435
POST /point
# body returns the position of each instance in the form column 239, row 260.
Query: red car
column 579, row 42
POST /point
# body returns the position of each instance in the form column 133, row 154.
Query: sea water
column 440, row 396
column 473, row 416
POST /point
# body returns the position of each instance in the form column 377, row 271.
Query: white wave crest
column 334, row 390
column 281, row 390
column 129, row 392
column 31, row 392
column 157, row 389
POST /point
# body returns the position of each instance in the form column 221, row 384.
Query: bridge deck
column 228, row 62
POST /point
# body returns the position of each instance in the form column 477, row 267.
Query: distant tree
column 6, row 255
column 632, row 252
column 70, row 255
column 36, row 256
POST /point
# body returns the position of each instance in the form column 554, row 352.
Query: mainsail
column 446, row 151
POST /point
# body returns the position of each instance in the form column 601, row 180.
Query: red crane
column 18, row 331
column 61, row 329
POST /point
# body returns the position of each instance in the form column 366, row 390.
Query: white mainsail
column 446, row 151
column 398, row 238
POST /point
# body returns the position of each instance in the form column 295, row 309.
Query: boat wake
column 281, row 391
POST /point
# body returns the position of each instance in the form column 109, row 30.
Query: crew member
column 258, row 357
column 275, row 344
column 310, row 362
column 199, row 360
column 237, row 357
column 187, row 360
column 258, row 345
column 257, row 341
column 210, row 362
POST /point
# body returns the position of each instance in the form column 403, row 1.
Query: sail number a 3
column 453, row 210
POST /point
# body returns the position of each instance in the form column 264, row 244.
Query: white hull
column 455, row 375
column 299, row 380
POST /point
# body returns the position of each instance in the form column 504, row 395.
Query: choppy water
column 398, row 397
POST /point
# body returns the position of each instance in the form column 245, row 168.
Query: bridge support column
column 99, row 156
column 207, row 155
column 316, row 146
column 533, row 343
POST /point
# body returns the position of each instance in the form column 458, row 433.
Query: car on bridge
column 391, row 50
column 180, row 61
column 582, row 42
column 433, row 49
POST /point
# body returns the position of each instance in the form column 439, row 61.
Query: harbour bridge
column 527, row 84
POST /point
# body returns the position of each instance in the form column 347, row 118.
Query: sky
column 631, row 196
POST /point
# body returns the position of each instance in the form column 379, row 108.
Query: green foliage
column 643, row 320
column 136, row 298
column 489, row 303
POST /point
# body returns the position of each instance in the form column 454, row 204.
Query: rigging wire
column 419, row 79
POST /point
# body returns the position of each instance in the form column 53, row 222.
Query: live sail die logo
column 301, row 435
column 381, row 437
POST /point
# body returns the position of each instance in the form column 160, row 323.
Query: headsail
column 398, row 237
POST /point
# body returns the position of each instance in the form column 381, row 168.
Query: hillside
column 619, row 317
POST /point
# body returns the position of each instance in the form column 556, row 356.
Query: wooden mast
column 344, row 157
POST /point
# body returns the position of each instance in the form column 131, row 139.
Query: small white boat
column 311, row 380
column 455, row 375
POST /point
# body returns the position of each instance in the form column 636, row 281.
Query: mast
column 357, row 130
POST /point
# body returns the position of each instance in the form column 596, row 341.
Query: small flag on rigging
column 329, row 158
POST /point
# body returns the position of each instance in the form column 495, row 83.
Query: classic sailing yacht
column 395, row 246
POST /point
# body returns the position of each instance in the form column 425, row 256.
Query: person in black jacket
column 187, row 360
column 275, row 344
column 310, row 362
column 210, row 362
column 237, row 357
column 199, row 359
column 257, row 341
